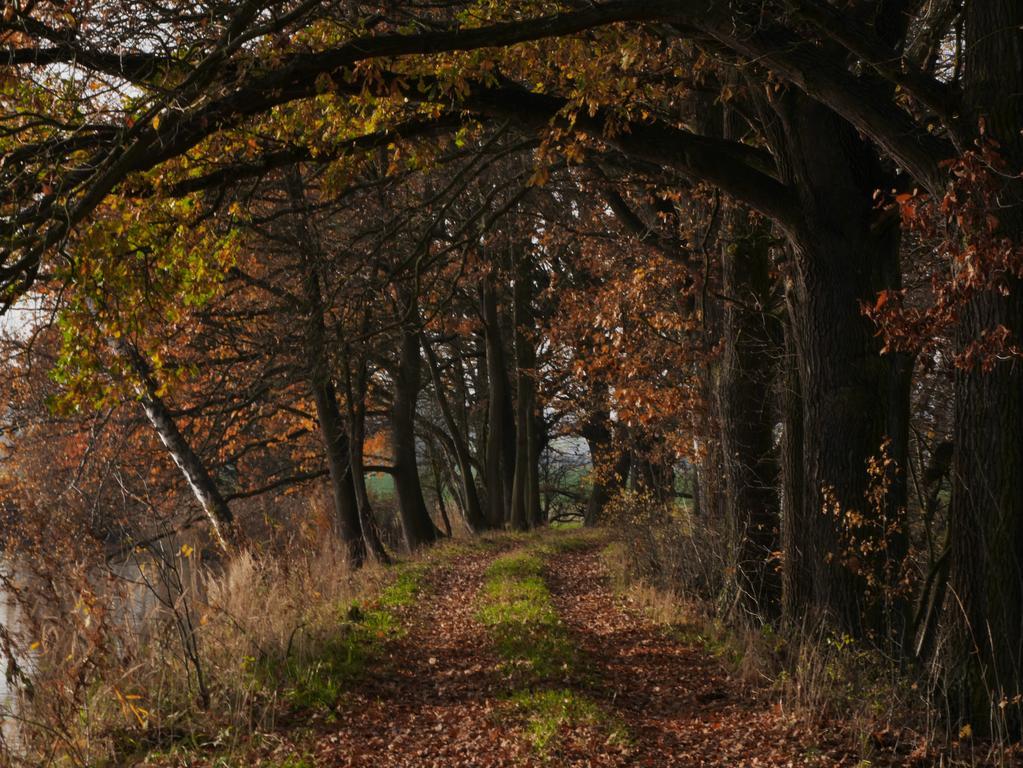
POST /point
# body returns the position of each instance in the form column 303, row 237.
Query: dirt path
column 679, row 706
column 431, row 703
column 438, row 698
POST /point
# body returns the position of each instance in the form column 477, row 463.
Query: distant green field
column 380, row 486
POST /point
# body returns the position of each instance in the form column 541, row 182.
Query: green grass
column 292, row 761
column 566, row 525
column 548, row 712
column 518, row 610
column 319, row 681
column 404, row 590
column 531, row 639
column 714, row 640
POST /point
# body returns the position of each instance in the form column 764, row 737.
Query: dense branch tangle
column 241, row 74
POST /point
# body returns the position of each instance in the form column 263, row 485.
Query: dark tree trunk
column 356, row 440
column 525, row 475
column 498, row 458
column 442, row 507
column 610, row 469
column 854, row 399
column 415, row 518
column 535, row 442
column 356, row 388
column 797, row 585
column 986, row 513
column 321, row 385
column 335, row 441
column 752, row 351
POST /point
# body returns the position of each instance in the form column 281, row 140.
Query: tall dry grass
column 168, row 650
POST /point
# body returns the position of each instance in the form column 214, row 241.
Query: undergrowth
column 270, row 638
column 363, row 628
column 673, row 571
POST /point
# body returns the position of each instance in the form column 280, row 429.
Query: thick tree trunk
column 415, row 518
column 752, row 351
column 519, row 519
column 356, row 440
column 854, row 400
column 335, row 443
column 522, row 511
column 797, row 584
column 986, row 513
column 498, row 459
column 356, row 388
column 610, row 470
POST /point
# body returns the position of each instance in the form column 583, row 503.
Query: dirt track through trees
column 440, row 695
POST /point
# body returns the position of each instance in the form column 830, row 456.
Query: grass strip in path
column 538, row 654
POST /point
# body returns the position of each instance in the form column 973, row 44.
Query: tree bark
column 986, row 512
column 356, row 400
column 213, row 504
column 797, row 584
column 321, row 385
column 609, row 476
column 854, row 399
column 522, row 512
column 415, row 518
column 535, row 444
column 748, row 370
column 498, row 458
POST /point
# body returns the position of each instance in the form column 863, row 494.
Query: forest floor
column 519, row 652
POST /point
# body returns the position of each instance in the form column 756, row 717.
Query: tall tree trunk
column 335, row 442
column 986, row 512
column 797, row 585
column 415, row 518
column 748, row 370
column 535, row 444
column 854, row 399
column 355, row 389
column 474, row 517
column 356, row 459
column 205, row 490
column 321, row 385
column 522, row 512
column 498, row 459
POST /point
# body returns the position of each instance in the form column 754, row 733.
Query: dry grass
column 208, row 657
